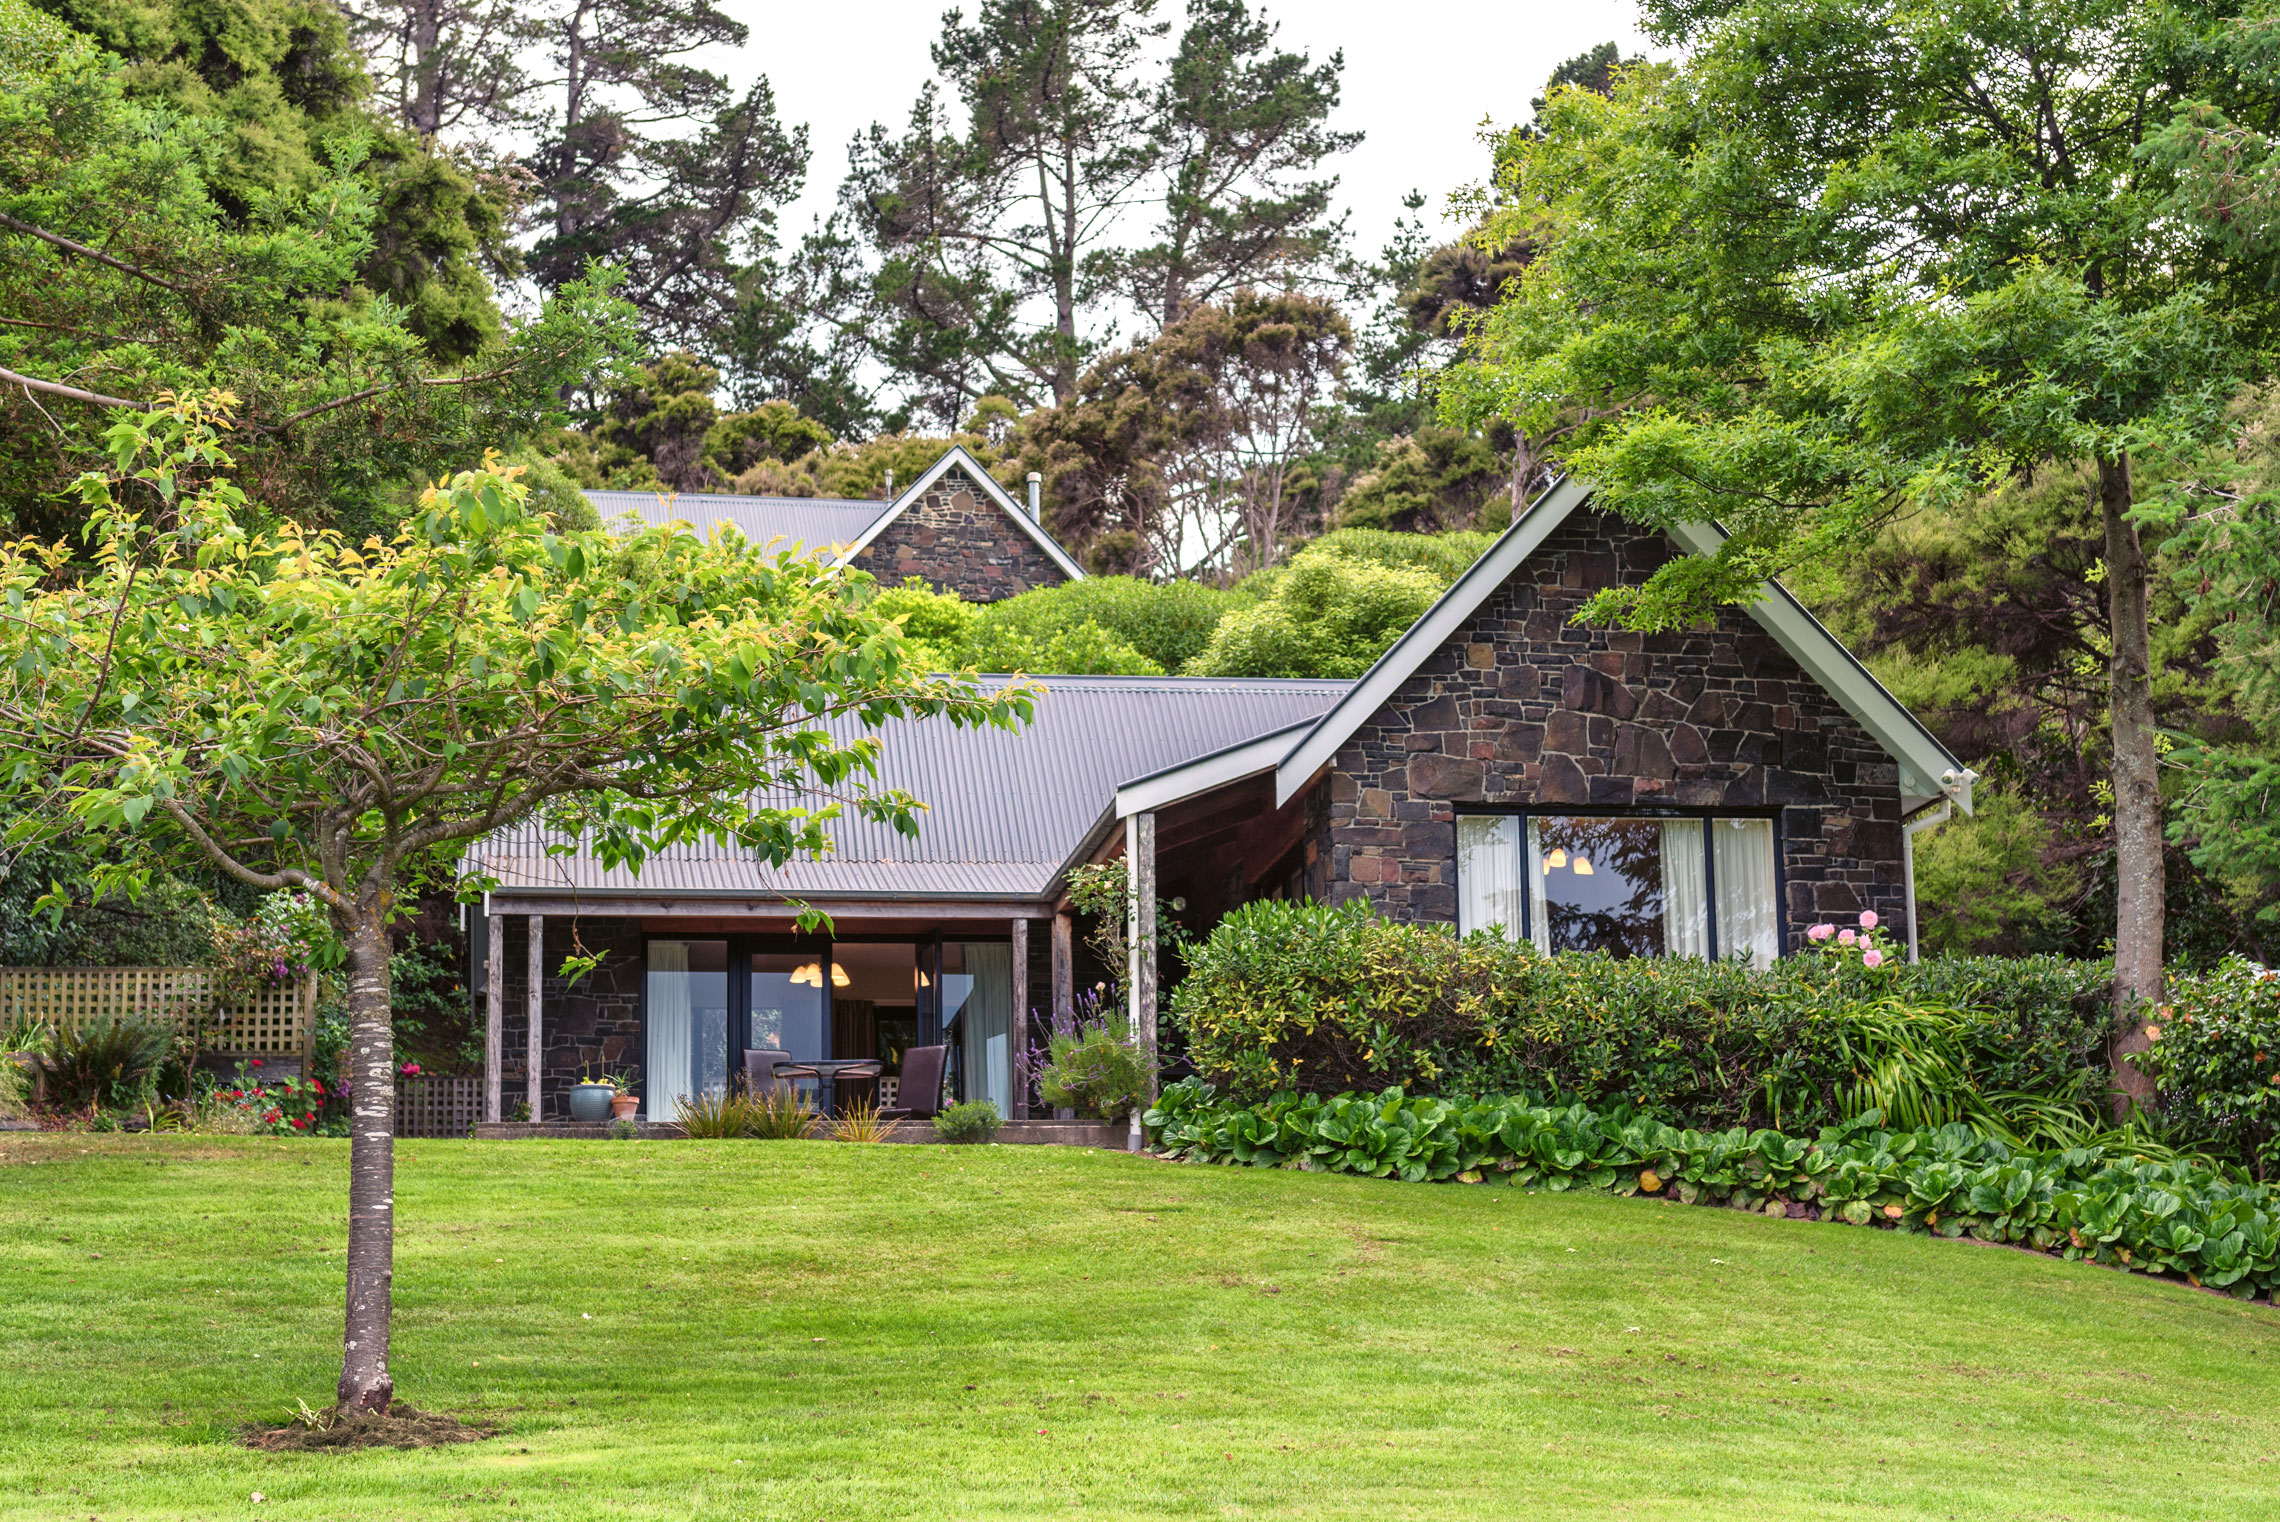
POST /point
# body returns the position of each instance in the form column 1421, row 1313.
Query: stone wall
column 1522, row 707
column 957, row 539
column 595, row 1024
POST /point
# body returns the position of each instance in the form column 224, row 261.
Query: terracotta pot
column 625, row 1106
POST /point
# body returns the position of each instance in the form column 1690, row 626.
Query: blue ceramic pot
column 591, row 1101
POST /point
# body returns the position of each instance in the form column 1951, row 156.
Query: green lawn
column 810, row 1330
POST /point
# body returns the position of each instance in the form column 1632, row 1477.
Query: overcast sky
column 1418, row 82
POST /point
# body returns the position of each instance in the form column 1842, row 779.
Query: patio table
column 829, row 1070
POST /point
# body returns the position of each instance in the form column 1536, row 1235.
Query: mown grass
column 724, row 1330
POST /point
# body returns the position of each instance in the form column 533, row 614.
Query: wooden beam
column 1064, row 989
column 534, row 1048
column 1140, row 881
column 494, row 1012
column 1064, row 974
column 1020, row 1022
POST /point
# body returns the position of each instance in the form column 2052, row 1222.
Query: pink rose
column 1846, row 938
column 1868, row 919
column 1872, row 958
column 1820, row 932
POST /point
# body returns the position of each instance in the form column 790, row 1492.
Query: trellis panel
column 277, row 1020
column 438, row 1106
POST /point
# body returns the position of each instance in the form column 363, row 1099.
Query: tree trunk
column 427, row 70
column 364, row 1379
column 2138, row 887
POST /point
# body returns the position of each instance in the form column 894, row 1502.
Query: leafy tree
column 1242, row 129
column 973, row 219
column 1852, row 259
column 305, row 715
column 801, row 330
column 1195, row 439
column 647, row 162
column 449, row 65
column 1991, row 883
column 288, row 103
column 123, row 275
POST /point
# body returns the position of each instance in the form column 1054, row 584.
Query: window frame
column 1525, row 812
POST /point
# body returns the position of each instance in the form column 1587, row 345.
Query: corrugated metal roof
column 1005, row 810
column 811, row 521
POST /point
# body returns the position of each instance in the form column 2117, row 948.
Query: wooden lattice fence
column 438, row 1106
column 275, row 1020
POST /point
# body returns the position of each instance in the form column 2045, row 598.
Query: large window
column 1631, row 885
column 688, row 1023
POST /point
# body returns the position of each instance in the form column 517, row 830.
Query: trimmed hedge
column 2216, row 1057
column 1312, row 999
column 2103, row 1203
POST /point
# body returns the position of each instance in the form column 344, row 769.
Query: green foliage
column 970, row 1122
column 1165, row 624
column 172, row 925
column 715, row 1117
column 1436, row 477
column 1987, row 883
column 2216, row 1054
column 1320, row 1000
column 779, row 1113
column 2104, row 1202
column 1098, row 1071
column 109, row 1062
column 1328, row 615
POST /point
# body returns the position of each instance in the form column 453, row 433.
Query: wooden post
column 1140, row 930
column 1020, row 1021
column 1064, row 976
column 1064, row 989
column 494, row 1010
column 534, row 1049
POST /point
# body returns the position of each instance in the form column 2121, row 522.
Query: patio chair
column 919, row 1093
column 761, row 1067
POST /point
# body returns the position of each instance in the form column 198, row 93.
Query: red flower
column 256, row 1062
column 300, row 1122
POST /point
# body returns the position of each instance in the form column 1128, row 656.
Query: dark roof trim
column 959, row 455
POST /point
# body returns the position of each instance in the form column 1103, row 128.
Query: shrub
column 2216, row 1057
column 713, row 1117
column 277, row 1106
column 2106, row 1201
column 1327, row 615
column 1323, row 1000
column 1165, row 624
column 977, row 1120
column 1098, row 1071
column 780, row 1113
column 861, row 1122
column 109, row 1062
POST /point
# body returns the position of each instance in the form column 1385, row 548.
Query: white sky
column 1418, row 81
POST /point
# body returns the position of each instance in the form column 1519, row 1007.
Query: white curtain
column 1748, row 918
column 988, row 1044
column 1686, row 890
column 670, row 1022
column 1539, row 909
column 1488, row 873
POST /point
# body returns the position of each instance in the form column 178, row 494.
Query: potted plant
column 591, row 1098
column 624, row 1102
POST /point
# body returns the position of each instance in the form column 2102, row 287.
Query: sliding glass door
column 688, row 1024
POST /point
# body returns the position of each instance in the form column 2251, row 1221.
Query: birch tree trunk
column 365, row 1383
column 2138, row 884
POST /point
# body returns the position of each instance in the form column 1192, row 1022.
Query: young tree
column 1853, row 259
column 306, row 714
column 1242, row 134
